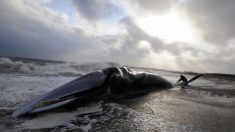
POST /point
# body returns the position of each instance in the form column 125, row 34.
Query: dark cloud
column 154, row 6
column 96, row 9
column 26, row 36
column 138, row 34
column 215, row 18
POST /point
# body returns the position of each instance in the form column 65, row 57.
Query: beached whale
column 99, row 85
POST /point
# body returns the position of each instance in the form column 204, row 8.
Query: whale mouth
column 52, row 106
column 47, row 102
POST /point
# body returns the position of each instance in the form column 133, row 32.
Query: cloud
column 155, row 6
column 32, row 29
column 215, row 19
column 48, row 38
column 96, row 9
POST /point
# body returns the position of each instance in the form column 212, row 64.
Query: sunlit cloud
column 168, row 27
column 193, row 35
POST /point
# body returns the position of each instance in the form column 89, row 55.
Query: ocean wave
column 9, row 66
column 21, row 66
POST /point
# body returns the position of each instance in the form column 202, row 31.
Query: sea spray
column 21, row 66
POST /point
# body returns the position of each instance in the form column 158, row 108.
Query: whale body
column 99, row 85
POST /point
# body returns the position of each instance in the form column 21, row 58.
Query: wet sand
column 172, row 110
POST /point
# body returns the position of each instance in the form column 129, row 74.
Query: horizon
column 176, row 35
column 21, row 59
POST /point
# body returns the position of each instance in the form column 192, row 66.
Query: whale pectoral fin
column 65, row 93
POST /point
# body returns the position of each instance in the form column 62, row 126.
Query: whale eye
column 129, row 69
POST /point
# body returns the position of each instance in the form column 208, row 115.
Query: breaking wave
column 33, row 67
column 7, row 65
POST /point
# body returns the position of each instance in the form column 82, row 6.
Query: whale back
column 155, row 81
column 143, row 79
column 128, row 81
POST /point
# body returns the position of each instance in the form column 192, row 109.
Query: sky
column 184, row 35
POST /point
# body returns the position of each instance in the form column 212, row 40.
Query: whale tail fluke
column 185, row 81
column 194, row 78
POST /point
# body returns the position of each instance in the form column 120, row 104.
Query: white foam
column 86, row 128
column 49, row 120
column 50, row 68
column 11, row 66
column 17, row 89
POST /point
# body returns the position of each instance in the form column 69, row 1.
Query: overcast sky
column 186, row 35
